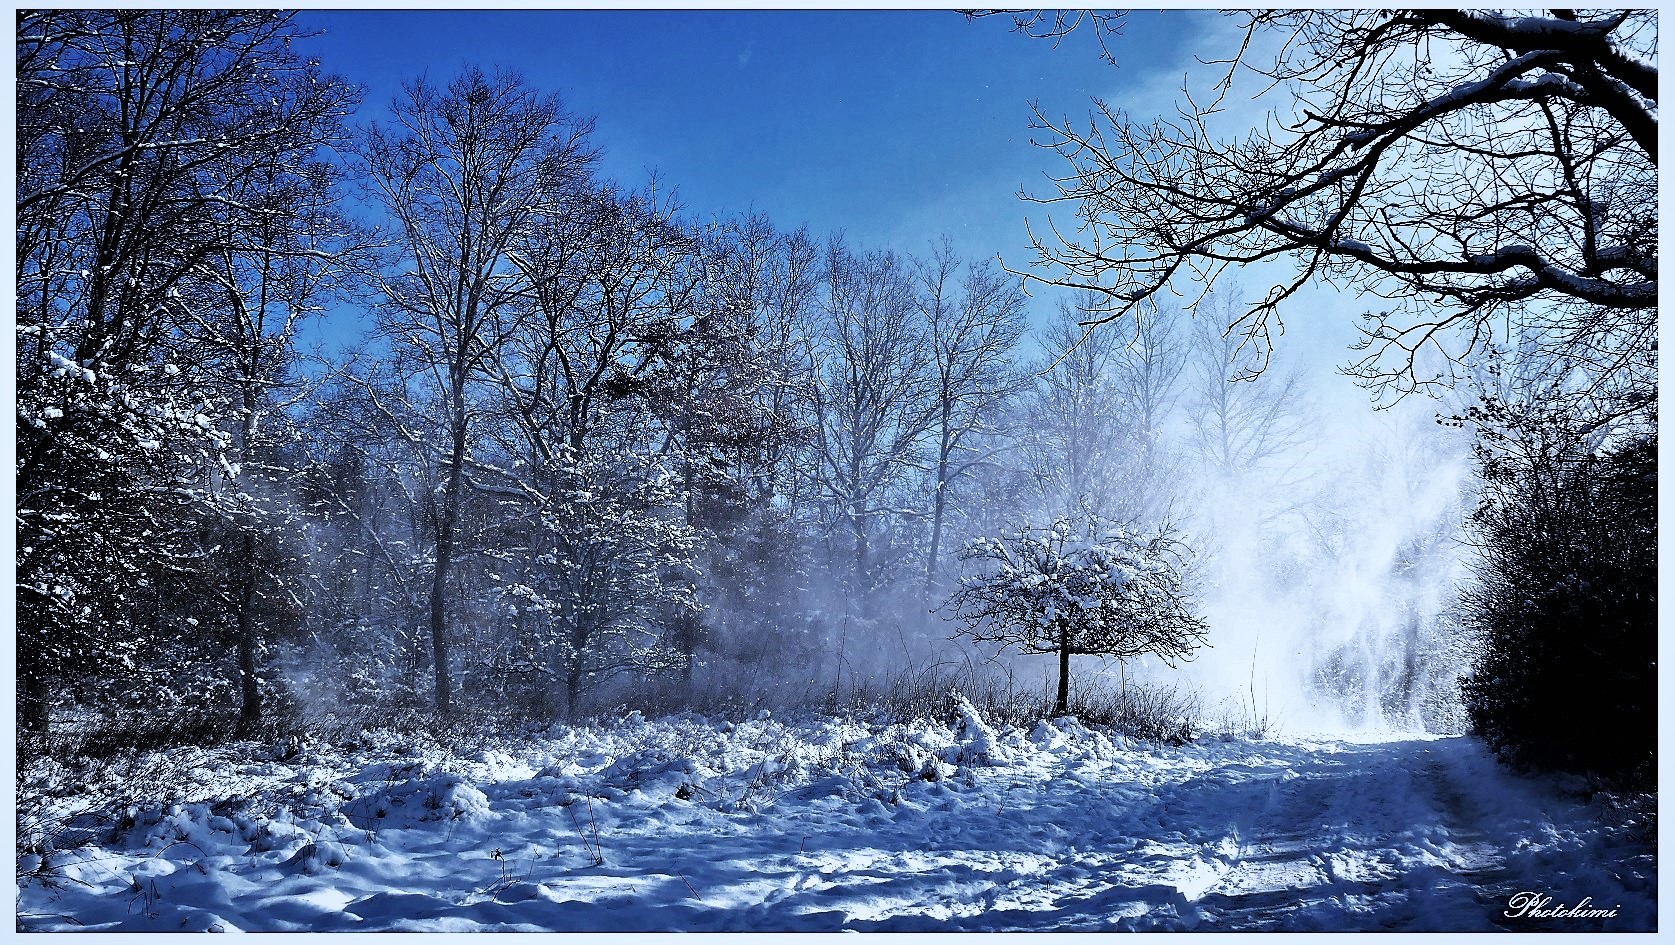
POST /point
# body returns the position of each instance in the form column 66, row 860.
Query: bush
column 1565, row 603
column 1167, row 714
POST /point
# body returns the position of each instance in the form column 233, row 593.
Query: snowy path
column 834, row 826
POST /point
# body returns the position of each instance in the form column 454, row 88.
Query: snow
column 819, row 824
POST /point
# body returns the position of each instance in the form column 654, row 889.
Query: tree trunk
column 936, row 528
column 686, row 624
column 1063, row 705
column 33, row 608
column 439, row 618
column 446, row 519
column 33, row 708
column 250, row 708
column 572, row 687
column 858, row 525
column 29, row 595
column 686, row 640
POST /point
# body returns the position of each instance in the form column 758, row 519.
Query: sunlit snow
column 694, row 824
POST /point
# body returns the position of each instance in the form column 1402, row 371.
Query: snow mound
column 975, row 742
column 652, row 773
column 419, row 798
column 316, row 856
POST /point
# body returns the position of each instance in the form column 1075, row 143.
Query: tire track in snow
column 1416, row 835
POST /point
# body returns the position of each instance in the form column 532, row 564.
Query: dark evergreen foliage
column 155, row 148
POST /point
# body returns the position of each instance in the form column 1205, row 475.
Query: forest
column 335, row 421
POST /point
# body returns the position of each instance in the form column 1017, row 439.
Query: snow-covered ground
column 690, row 824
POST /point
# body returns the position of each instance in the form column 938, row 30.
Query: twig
column 48, row 915
column 593, row 849
column 688, row 883
column 598, row 850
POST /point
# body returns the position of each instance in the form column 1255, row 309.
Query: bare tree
column 870, row 381
column 770, row 278
column 1095, row 433
column 271, row 273
column 1474, row 168
column 367, row 508
column 973, row 325
column 603, row 292
column 1148, row 376
column 1242, row 421
column 720, row 394
column 735, row 396
column 1149, row 372
column 1073, row 427
column 462, row 173
column 584, row 374
column 1249, row 434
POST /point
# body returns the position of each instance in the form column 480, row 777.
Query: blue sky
column 896, row 126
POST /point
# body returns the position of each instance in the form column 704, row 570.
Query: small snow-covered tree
column 1050, row 590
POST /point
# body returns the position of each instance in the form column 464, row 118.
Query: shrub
column 1565, row 602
